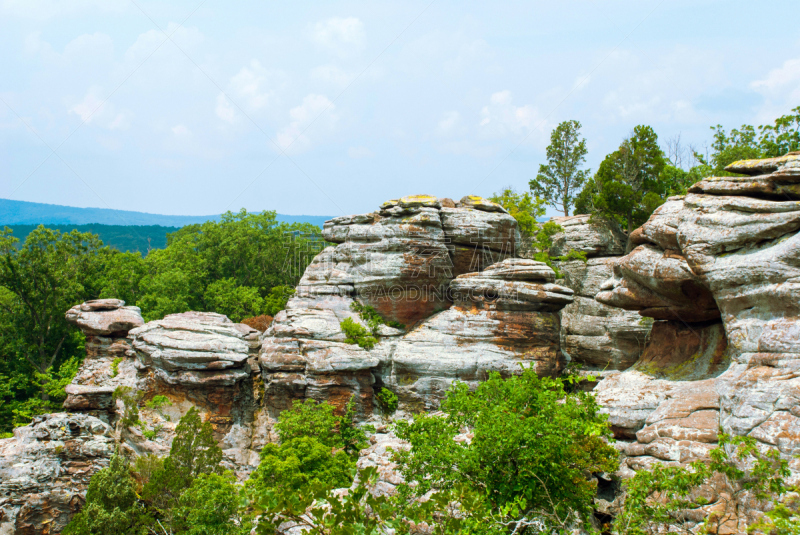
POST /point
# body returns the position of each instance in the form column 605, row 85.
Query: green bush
column 115, row 367
column 194, row 452
column 533, row 444
column 657, row 500
column 112, row 507
column 387, row 400
column 357, row 334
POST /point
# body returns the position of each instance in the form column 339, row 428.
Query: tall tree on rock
column 562, row 178
column 629, row 185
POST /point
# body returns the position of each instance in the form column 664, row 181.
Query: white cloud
column 316, row 108
column 501, row 117
column 340, row 35
column 331, row 74
column 148, row 42
column 180, row 130
column 253, row 89
column 780, row 88
column 359, row 152
column 250, row 83
column 93, row 110
column 448, row 122
column 225, row 109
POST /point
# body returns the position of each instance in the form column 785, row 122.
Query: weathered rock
column 45, row 470
column 196, row 349
column 109, row 356
column 493, row 325
column 107, row 317
column 596, row 336
column 723, row 247
column 593, row 236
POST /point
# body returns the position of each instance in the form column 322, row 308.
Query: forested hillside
column 134, row 238
column 243, row 265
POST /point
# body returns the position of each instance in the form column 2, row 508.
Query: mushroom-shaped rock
column 196, row 348
column 105, row 317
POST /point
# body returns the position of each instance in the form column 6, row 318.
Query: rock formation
column 717, row 271
column 45, row 470
column 416, row 262
column 712, row 273
column 598, row 337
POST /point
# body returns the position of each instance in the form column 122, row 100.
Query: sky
column 330, row 108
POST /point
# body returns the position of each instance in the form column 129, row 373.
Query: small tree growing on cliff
column 559, row 181
column 667, row 498
column 532, row 444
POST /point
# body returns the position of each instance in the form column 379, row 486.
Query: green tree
column 533, row 443
column 300, row 463
column 781, row 137
column 42, row 279
column 194, row 452
column 236, row 302
column 560, row 180
column 659, row 499
column 522, row 207
column 210, row 506
column 112, row 507
column 628, row 184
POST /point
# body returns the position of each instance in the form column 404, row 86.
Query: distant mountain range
column 34, row 213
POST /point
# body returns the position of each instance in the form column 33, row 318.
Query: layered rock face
column 717, row 270
column 599, row 337
column 411, row 261
column 45, row 470
column 501, row 318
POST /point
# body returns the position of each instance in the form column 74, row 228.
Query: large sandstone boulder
column 720, row 265
column 194, row 349
column 401, row 261
column 501, row 318
column 45, row 470
column 598, row 337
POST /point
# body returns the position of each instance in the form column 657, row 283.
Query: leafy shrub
column 300, row 463
column 659, row 499
column 194, row 452
column 130, row 403
column 533, row 444
column 387, row 400
column 115, row 367
column 372, row 318
column 357, row 334
column 210, row 506
column 112, row 507
column 277, row 298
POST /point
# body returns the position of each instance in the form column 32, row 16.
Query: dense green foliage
column 537, row 237
column 561, row 179
column 134, row 238
column 185, row 493
column 533, row 443
column 638, row 177
column 243, row 265
column 738, row 469
column 112, row 507
column 627, row 186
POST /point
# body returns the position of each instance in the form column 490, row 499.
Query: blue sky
column 329, row 108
